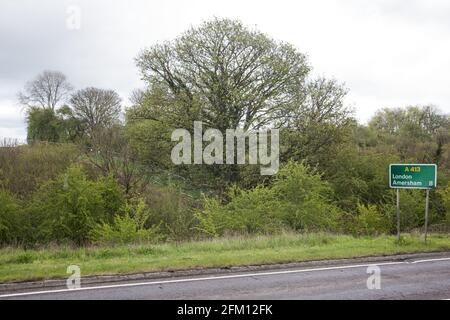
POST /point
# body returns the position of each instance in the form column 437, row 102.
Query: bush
column 112, row 196
column 68, row 208
column 305, row 199
column 298, row 200
column 172, row 210
column 11, row 220
column 24, row 168
column 249, row 211
column 369, row 221
column 412, row 209
column 127, row 228
column 360, row 177
column 445, row 195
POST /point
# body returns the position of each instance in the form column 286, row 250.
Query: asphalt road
column 414, row 279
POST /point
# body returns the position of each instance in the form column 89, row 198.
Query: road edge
column 11, row 287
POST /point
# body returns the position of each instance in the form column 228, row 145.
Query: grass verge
column 23, row 265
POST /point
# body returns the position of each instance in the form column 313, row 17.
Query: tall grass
column 51, row 262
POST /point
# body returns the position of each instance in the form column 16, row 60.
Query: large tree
column 222, row 74
column 47, row 91
column 229, row 76
column 96, row 108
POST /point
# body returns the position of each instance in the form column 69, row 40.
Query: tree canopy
column 47, row 90
column 222, row 74
column 97, row 108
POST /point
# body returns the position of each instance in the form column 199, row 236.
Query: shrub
column 305, row 199
column 146, row 136
column 10, row 219
column 24, row 168
column 298, row 199
column 249, row 211
column 172, row 210
column 127, row 228
column 66, row 209
column 412, row 209
column 112, row 196
column 360, row 177
column 369, row 221
column 445, row 195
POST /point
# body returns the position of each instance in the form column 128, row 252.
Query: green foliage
column 68, row 208
column 359, row 177
column 298, row 199
column 73, row 129
column 24, row 168
column 53, row 126
column 249, row 211
column 445, row 195
column 112, row 195
column 315, row 128
column 415, row 132
column 412, row 209
column 305, row 198
column 222, row 87
column 43, row 125
column 369, row 221
column 11, row 219
column 172, row 210
column 146, row 136
column 227, row 76
column 131, row 227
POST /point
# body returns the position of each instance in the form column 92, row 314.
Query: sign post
column 413, row 176
column 398, row 214
column 427, row 204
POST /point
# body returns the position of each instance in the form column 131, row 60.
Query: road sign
column 413, row 176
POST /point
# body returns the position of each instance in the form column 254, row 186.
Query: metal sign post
column 427, row 205
column 398, row 214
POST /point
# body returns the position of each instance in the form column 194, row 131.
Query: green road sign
column 413, row 176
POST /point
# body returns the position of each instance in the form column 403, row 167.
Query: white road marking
column 431, row 260
column 245, row 275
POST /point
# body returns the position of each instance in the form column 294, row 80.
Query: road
column 412, row 279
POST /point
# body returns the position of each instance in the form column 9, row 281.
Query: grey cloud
column 434, row 12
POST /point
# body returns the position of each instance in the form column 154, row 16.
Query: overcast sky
column 389, row 53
